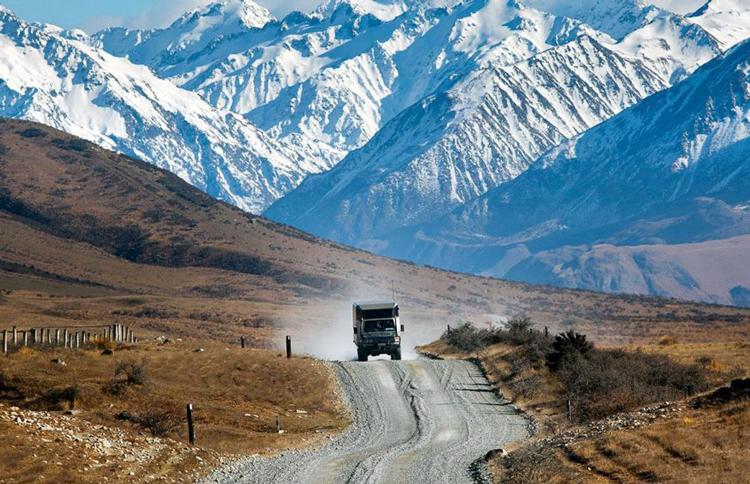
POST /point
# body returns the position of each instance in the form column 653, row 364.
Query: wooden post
column 191, row 427
column 5, row 341
column 26, row 337
column 78, row 339
column 57, row 337
column 49, row 336
column 66, row 338
column 288, row 346
column 33, row 336
column 242, row 341
column 278, row 425
column 15, row 337
column 114, row 333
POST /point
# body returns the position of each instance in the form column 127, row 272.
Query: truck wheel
column 396, row 355
column 361, row 355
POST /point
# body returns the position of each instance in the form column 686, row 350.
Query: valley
column 539, row 207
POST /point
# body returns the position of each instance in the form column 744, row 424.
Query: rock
column 198, row 350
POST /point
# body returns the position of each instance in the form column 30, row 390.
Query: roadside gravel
column 413, row 421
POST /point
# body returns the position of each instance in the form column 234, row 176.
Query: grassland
column 236, row 394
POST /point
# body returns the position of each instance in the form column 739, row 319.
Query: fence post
column 26, row 337
column 33, row 336
column 114, row 333
column 242, row 341
column 5, row 341
column 57, row 337
column 66, row 338
column 288, row 346
column 15, row 337
column 191, row 427
column 278, row 425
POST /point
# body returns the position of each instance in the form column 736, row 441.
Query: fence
column 71, row 337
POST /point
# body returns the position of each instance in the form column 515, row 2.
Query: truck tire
column 396, row 355
column 361, row 355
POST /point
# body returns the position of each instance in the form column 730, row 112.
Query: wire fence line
column 71, row 337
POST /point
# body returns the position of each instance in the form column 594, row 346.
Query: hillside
column 89, row 235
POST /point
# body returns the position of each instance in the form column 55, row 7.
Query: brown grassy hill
column 89, row 235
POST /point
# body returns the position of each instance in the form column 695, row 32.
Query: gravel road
column 413, row 421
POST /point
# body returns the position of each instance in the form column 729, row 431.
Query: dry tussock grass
column 236, row 394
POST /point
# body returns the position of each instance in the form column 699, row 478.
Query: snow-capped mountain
column 727, row 20
column 535, row 80
column 56, row 77
column 655, row 200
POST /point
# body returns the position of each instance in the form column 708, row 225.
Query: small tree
column 567, row 345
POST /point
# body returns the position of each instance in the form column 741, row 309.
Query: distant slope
column 671, row 170
column 87, row 235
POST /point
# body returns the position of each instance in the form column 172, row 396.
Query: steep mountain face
column 495, row 121
column 462, row 143
column 666, row 181
column 57, row 78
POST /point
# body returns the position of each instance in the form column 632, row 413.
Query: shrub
column 604, row 382
column 519, row 330
column 62, row 398
column 568, row 345
column 527, row 387
column 32, row 133
column 469, row 338
column 134, row 373
column 158, row 422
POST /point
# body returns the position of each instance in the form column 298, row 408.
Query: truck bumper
column 380, row 349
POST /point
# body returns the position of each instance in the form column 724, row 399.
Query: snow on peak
column 249, row 14
column 616, row 18
column 727, row 20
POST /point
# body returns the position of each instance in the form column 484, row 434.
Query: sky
column 93, row 15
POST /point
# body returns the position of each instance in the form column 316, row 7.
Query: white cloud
column 680, row 6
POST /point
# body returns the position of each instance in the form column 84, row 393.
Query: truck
column 377, row 329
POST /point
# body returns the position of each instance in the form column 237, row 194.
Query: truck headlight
column 397, row 339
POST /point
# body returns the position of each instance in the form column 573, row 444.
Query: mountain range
column 378, row 122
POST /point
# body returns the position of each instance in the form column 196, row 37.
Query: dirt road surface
column 413, row 421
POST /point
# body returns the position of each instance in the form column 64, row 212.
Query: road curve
column 413, row 421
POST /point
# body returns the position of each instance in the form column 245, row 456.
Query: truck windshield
column 377, row 314
column 381, row 325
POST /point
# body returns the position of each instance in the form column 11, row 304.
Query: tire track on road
column 412, row 421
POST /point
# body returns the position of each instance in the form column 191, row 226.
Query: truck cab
column 377, row 329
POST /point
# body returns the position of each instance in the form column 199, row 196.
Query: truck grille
column 379, row 339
